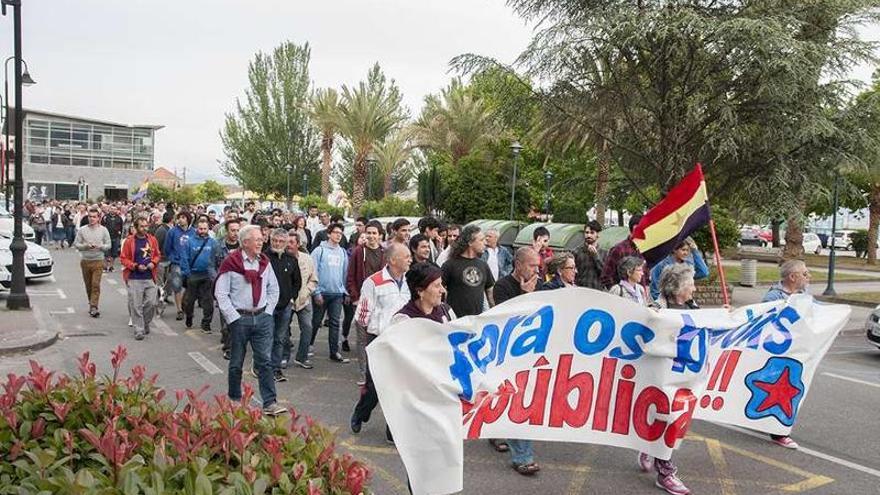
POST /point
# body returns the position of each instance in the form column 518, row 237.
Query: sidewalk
column 22, row 331
column 848, row 271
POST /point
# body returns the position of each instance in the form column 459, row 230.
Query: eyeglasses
column 569, row 267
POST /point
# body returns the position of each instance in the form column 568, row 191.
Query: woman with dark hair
column 304, row 234
column 425, row 281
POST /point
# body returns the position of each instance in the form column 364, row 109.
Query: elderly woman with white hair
column 677, row 287
column 631, row 270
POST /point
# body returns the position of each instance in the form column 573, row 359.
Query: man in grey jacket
column 91, row 242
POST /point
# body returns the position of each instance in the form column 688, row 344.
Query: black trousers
column 369, row 399
column 201, row 287
column 347, row 318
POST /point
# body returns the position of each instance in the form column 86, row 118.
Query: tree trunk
column 602, row 173
column 794, row 237
column 387, row 189
column 774, row 229
column 327, row 156
column 873, row 222
column 359, row 186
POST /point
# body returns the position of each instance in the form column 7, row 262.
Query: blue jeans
column 521, row 451
column 304, row 321
column 333, row 306
column 281, row 337
column 258, row 331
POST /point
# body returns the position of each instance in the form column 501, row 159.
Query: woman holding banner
column 676, row 292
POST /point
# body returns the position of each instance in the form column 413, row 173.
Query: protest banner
column 579, row 365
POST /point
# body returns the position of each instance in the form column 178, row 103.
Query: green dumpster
column 563, row 236
column 507, row 229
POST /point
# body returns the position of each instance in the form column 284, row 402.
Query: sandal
column 529, row 469
column 499, row 445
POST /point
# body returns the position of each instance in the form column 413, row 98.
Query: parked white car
column 38, row 262
column 812, row 243
column 5, row 278
column 6, row 225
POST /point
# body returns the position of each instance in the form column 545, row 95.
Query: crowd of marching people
column 265, row 270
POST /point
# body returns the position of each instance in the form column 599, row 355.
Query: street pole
column 515, row 148
column 18, row 298
column 548, row 176
column 305, row 185
column 829, row 289
column 289, row 171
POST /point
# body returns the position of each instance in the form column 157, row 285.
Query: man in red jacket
column 139, row 261
column 366, row 259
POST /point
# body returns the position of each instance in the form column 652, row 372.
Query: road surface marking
column 122, row 291
column 61, row 294
column 716, row 454
column 112, row 281
column 163, row 328
column 854, row 380
column 205, row 363
column 48, row 293
column 808, row 451
column 68, row 311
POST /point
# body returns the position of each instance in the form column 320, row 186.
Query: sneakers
column 355, row 423
column 306, row 365
column 311, row 351
column 130, row 323
column 784, row 441
column 179, row 316
column 279, row 377
column 284, row 364
column 339, row 359
column 206, row 330
column 671, row 484
column 646, row 462
column 361, row 382
column 254, row 372
column 227, row 355
column 274, row 409
column 139, row 336
column 93, row 312
column 345, row 346
column 189, row 321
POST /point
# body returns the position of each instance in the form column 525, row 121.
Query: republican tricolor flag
column 684, row 210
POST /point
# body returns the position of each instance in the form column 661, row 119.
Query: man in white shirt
column 247, row 293
column 383, row 294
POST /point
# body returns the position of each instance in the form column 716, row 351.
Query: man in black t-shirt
column 523, row 279
column 467, row 277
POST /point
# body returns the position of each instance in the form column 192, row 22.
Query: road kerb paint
column 854, row 380
column 205, row 363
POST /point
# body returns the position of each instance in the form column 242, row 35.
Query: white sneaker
column 130, row 323
column 646, row 462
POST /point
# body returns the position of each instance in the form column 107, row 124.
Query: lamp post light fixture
column 832, row 257
column 515, row 149
column 18, row 298
column 305, row 184
column 289, row 171
column 548, row 178
column 26, row 80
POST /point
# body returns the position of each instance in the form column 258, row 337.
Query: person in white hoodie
column 383, row 294
column 331, row 264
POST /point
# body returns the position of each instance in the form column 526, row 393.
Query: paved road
column 838, row 427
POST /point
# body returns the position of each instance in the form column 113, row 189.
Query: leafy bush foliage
column 116, row 435
column 390, row 206
column 859, row 240
column 321, row 203
column 725, row 230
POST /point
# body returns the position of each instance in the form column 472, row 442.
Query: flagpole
column 725, row 296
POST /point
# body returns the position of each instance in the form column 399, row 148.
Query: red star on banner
column 781, row 392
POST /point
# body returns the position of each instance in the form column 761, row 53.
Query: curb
column 42, row 340
column 844, row 300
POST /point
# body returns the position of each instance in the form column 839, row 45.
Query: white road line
column 163, row 328
column 808, row 451
column 112, row 281
column 205, row 363
column 122, row 290
column 61, row 294
column 854, row 380
column 68, row 311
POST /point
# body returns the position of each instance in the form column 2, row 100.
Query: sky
column 182, row 63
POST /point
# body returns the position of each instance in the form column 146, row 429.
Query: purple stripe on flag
column 698, row 218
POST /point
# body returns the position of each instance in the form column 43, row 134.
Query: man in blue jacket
column 331, row 263
column 198, row 269
column 171, row 249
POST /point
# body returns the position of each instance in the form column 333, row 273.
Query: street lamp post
column 289, row 171
column 515, row 148
column 829, row 289
column 18, row 298
column 26, row 80
column 305, row 185
column 548, row 177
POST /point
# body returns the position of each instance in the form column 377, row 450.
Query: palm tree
column 324, row 110
column 392, row 156
column 456, row 122
column 368, row 112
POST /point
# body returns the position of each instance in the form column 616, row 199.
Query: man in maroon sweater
column 366, row 259
column 621, row 250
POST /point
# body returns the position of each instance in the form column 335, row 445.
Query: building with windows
column 67, row 157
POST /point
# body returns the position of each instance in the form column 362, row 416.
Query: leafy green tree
column 324, row 110
column 271, row 130
column 390, row 206
column 158, row 192
column 210, row 191
column 475, row 188
column 393, row 159
column 185, row 195
column 368, row 112
column 457, row 122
